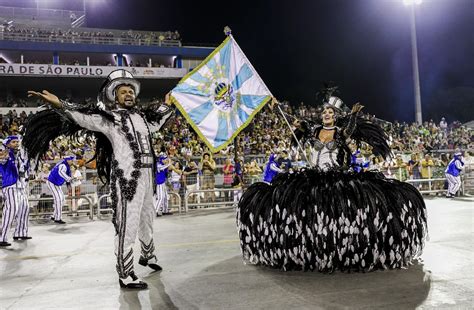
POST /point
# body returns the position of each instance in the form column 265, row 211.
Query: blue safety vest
column 452, row 169
column 54, row 176
column 161, row 176
column 9, row 171
column 268, row 173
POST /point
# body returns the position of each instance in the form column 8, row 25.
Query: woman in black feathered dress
column 329, row 217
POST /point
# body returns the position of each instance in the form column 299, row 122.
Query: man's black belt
column 147, row 165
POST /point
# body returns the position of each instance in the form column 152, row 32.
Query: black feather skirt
column 332, row 220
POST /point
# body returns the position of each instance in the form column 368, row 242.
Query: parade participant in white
column 161, row 196
column 76, row 187
column 60, row 174
column 14, row 166
column 124, row 132
column 453, row 174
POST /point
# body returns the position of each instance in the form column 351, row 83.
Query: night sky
column 361, row 45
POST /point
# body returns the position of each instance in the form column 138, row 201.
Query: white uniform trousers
column 454, row 183
column 237, row 195
column 58, row 200
column 161, row 198
column 134, row 217
column 15, row 207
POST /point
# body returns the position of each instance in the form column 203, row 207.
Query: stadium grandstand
column 43, row 43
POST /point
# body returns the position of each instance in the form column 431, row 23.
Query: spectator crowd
column 421, row 151
column 94, row 36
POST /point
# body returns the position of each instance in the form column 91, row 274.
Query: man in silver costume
column 132, row 162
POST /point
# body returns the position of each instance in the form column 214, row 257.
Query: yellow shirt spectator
column 427, row 167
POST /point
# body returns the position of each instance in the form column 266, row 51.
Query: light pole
column 84, row 8
column 414, row 54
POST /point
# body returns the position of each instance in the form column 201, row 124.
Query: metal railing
column 103, row 205
column 203, row 202
column 468, row 184
column 38, row 13
column 92, row 39
column 192, row 191
column 100, row 203
column 433, row 185
column 178, row 203
column 37, row 213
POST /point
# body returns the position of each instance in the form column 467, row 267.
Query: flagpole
column 228, row 32
column 294, row 136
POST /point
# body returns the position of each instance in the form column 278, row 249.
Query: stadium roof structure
column 469, row 124
column 198, row 52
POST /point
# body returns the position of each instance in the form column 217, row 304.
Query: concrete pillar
column 178, row 62
column 119, row 60
column 55, row 58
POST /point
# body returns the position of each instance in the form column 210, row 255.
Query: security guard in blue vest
column 14, row 166
column 161, row 195
column 271, row 169
column 453, row 174
column 60, row 174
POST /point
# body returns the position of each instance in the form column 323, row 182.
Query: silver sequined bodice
column 323, row 155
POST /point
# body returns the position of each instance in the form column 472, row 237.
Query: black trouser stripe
column 128, row 255
column 120, row 260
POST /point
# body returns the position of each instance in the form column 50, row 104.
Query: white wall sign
column 87, row 71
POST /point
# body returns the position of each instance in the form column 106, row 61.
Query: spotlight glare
column 412, row 2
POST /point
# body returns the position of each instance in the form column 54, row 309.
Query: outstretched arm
column 160, row 115
column 48, row 97
column 274, row 167
column 302, row 131
column 173, row 168
column 349, row 130
column 94, row 122
column 161, row 167
column 163, row 114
